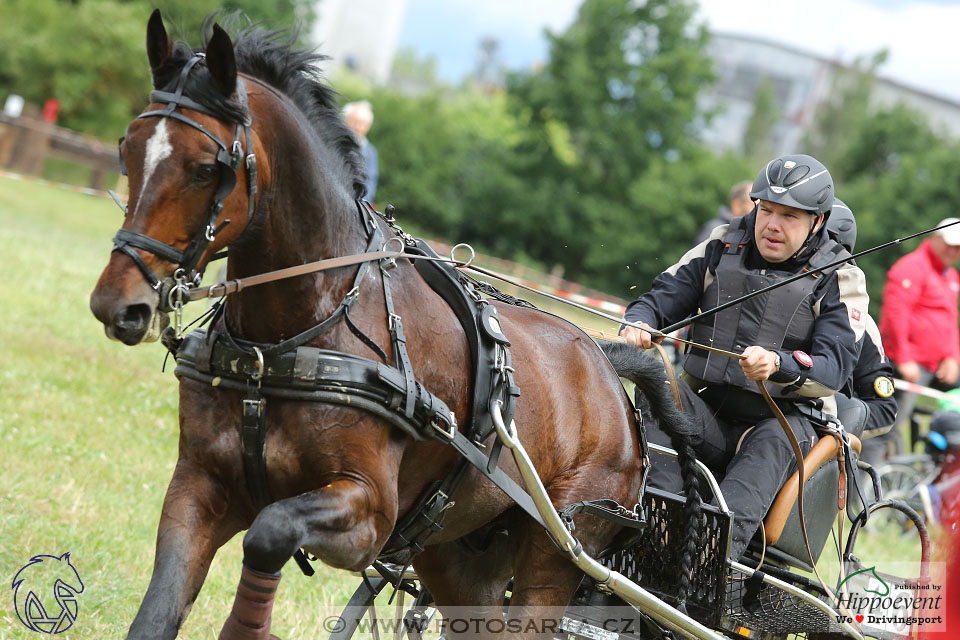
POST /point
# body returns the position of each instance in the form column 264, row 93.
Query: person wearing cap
column 918, row 321
column 803, row 339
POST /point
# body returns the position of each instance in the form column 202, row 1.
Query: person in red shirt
column 918, row 323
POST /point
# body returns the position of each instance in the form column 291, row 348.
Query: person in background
column 872, row 379
column 918, row 322
column 740, row 205
column 359, row 117
column 803, row 338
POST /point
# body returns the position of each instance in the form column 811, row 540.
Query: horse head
column 191, row 161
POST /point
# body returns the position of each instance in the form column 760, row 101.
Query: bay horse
column 339, row 476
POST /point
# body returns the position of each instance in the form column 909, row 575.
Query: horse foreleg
column 343, row 523
column 193, row 525
column 544, row 582
column 468, row 585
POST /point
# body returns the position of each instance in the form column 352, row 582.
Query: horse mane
column 272, row 57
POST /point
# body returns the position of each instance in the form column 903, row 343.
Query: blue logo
column 45, row 594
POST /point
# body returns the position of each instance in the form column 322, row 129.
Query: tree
column 89, row 54
column 756, row 137
column 847, row 105
column 610, row 112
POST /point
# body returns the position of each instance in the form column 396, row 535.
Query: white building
column 360, row 34
column 801, row 81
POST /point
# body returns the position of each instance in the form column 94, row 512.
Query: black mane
column 272, row 57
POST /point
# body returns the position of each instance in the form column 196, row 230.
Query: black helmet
column 843, row 225
column 796, row 180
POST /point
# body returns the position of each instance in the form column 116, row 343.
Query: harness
column 791, row 306
column 291, row 370
column 228, row 159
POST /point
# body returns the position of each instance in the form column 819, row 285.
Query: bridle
column 228, row 159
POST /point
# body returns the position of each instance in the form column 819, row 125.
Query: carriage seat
column 782, row 523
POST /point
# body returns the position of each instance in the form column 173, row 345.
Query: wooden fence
column 26, row 142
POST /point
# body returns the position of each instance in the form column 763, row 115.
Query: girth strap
column 253, row 437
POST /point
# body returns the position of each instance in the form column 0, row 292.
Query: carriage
column 768, row 594
column 423, row 461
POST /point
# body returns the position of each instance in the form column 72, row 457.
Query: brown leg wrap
column 250, row 617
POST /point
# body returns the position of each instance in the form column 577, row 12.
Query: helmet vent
column 776, row 168
column 796, row 174
column 825, row 193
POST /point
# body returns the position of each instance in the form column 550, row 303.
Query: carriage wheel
column 361, row 614
column 900, row 481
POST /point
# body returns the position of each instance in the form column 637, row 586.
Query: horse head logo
column 43, row 581
column 872, row 580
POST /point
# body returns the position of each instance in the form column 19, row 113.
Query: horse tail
column 648, row 374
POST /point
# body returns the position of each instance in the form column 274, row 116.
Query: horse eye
column 205, row 172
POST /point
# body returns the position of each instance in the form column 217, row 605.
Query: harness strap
column 399, row 341
column 229, row 160
column 603, row 508
column 253, row 433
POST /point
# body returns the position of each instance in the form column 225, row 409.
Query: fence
column 26, row 142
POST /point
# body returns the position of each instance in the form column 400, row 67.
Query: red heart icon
column 859, row 619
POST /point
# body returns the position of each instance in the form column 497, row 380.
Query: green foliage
column 184, row 18
column 605, row 118
column 919, row 189
column 90, row 55
column 846, row 107
column 766, row 113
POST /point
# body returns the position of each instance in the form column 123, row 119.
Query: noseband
column 228, row 159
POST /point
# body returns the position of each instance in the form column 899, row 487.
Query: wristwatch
column 776, row 360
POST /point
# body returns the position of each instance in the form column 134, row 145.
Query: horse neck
column 306, row 214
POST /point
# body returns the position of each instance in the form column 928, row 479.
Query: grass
column 88, row 433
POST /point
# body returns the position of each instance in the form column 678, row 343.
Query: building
column 801, row 81
column 359, row 34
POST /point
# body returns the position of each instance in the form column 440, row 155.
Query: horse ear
column 221, row 62
column 159, row 44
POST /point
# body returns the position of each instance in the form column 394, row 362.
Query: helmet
column 795, row 180
column 843, row 225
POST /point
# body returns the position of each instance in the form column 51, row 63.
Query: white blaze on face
column 158, row 149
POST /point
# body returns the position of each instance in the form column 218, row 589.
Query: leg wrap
column 250, row 617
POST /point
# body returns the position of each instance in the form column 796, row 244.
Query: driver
column 803, row 337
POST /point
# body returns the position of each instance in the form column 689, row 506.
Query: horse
column 338, row 477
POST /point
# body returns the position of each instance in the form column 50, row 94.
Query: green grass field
column 88, row 434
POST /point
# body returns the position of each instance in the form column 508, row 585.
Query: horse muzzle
column 130, row 317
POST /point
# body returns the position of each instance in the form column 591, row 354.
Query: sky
column 921, row 35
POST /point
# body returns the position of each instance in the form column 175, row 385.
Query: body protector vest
column 781, row 320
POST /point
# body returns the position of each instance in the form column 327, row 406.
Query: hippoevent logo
column 45, row 594
column 880, row 602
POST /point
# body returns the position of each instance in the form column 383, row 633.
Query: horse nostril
column 136, row 317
